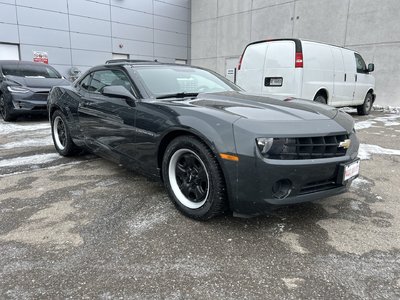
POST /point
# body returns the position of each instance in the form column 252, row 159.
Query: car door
column 340, row 95
column 101, row 120
column 362, row 80
column 350, row 71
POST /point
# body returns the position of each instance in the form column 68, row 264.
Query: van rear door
column 279, row 69
column 250, row 73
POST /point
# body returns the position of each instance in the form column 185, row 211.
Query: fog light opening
column 282, row 189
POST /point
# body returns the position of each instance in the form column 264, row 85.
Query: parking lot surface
column 82, row 227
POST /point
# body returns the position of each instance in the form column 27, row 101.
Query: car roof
column 137, row 63
column 19, row 62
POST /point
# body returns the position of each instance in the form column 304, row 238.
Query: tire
column 320, row 99
column 365, row 108
column 6, row 110
column 193, row 178
column 61, row 135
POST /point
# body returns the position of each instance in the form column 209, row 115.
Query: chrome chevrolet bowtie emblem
column 345, row 144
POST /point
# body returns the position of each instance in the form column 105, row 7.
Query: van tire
column 320, row 99
column 365, row 108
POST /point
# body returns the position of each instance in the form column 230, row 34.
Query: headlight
column 277, row 147
column 17, row 89
column 264, row 144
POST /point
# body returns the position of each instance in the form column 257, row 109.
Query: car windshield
column 177, row 81
column 31, row 70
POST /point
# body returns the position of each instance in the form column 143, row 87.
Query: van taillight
column 240, row 61
column 299, row 60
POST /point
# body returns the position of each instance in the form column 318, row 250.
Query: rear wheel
column 193, row 178
column 6, row 110
column 365, row 108
column 61, row 135
column 320, row 99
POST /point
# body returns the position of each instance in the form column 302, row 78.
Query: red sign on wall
column 40, row 56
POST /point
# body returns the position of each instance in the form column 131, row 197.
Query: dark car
column 24, row 87
column 215, row 147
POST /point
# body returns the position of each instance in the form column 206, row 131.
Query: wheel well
column 371, row 91
column 52, row 110
column 322, row 92
column 167, row 139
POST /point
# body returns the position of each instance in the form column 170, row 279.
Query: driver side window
column 105, row 78
column 84, row 84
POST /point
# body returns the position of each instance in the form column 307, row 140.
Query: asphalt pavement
column 85, row 228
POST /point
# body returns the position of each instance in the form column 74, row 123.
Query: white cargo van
column 303, row 69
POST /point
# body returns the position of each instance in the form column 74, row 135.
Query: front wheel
column 365, row 108
column 61, row 135
column 6, row 110
column 193, row 178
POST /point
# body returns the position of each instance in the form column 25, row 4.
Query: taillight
column 240, row 61
column 299, row 60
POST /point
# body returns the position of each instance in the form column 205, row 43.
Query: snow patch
column 387, row 109
column 359, row 182
column 29, row 160
column 388, row 120
column 7, row 128
column 47, row 141
column 293, row 283
column 366, row 151
column 364, row 124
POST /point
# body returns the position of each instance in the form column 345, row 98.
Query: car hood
column 265, row 109
column 260, row 114
column 35, row 83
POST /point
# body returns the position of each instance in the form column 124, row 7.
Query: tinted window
column 34, row 70
column 361, row 67
column 104, row 78
column 170, row 80
column 85, row 82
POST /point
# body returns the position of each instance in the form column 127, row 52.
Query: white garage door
column 8, row 51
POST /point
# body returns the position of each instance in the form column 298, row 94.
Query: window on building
column 9, row 52
column 120, row 56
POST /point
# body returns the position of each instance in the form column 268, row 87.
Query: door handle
column 345, row 77
column 356, row 77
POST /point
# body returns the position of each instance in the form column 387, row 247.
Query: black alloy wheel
column 193, row 178
column 61, row 135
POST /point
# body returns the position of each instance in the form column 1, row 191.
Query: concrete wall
column 84, row 33
column 222, row 28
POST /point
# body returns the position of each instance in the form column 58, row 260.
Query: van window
column 361, row 67
column 254, row 57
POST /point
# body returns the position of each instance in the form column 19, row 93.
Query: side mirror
column 371, row 67
column 117, row 91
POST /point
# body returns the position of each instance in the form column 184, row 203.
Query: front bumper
column 309, row 180
column 30, row 102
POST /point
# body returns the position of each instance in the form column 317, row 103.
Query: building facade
column 83, row 33
column 222, row 28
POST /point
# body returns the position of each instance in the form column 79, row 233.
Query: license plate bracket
column 348, row 171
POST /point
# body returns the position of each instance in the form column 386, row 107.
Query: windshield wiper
column 178, row 95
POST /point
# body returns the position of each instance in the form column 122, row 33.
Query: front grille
column 310, row 147
column 319, row 186
column 41, row 95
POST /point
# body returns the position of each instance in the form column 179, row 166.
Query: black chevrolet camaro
column 215, row 147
